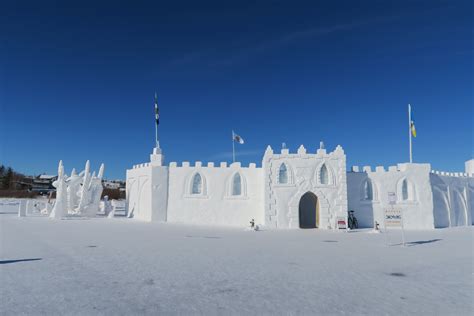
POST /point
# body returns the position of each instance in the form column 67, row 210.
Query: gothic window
column 237, row 185
column 283, row 174
column 405, row 190
column 196, row 184
column 368, row 190
column 324, row 175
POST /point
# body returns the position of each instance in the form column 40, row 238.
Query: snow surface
column 124, row 267
column 9, row 206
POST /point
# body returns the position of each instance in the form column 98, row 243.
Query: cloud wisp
column 270, row 44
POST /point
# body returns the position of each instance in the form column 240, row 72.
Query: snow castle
column 297, row 190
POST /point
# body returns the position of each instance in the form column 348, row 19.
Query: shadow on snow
column 19, row 260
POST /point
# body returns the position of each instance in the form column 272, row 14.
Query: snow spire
column 101, row 171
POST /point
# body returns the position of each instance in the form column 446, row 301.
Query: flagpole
column 409, row 132
column 156, row 135
column 157, row 141
column 233, row 147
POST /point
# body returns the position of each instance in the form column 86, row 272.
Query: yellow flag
column 412, row 124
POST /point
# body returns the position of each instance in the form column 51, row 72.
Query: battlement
column 141, row 165
column 199, row 164
column 381, row 169
column 301, row 151
column 453, row 174
column 222, row 165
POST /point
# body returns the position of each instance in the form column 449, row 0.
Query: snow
column 9, row 205
column 46, row 176
column 121, row 266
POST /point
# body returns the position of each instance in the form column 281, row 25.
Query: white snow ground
column 124, row 267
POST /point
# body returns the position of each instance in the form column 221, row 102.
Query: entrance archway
column 309, row 211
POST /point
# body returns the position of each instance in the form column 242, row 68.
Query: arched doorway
column 309, row 211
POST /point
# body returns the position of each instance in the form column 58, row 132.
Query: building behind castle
column 298, row 190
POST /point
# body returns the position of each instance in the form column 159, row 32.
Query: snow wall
column 164, row 193
column 216, row 205
column 409, row 182
column 430, row 199
column 453, row 198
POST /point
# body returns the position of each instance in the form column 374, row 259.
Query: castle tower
column 470, row 167
column 304, row 190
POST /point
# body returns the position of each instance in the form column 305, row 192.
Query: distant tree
column 2, row 176
column 113, row 194
column 7, row 178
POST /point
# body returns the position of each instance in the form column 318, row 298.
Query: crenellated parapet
column 221, row 165
column 453, row 174
column 302, row 152
column 402, row 167
column 199, row 164
column 405, row 167
column 369, row 169
column 141, row 165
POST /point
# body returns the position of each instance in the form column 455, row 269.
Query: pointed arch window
column 283, row 174
column 324, row 175
column 237, row 185
column 405, row 195
column 406, row 191
column 368, row 190
column 196, row 188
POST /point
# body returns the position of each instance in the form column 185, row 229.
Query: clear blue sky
column 77, row 80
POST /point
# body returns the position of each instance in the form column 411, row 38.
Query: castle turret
column 157, row 158
column 470, row 167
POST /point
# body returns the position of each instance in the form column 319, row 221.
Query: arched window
column 237, row 185
column 196, row 187
column 405, row 190
column 324, row 175
column 368, row 190
column 283, row 174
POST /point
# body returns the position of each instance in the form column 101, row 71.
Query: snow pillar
column 22, row 208
column 470, row 167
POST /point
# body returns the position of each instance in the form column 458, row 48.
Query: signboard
column 341, row 223
column 392, row 198
column 393, row 218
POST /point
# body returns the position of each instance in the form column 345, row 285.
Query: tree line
column 14, row 184
column 9, row 178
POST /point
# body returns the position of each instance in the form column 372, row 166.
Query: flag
column 237, row 138
column 157, row 111
column 412, row 124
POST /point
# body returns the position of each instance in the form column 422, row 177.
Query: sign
column 341, row 223
column 392, row 198
column 393, row 217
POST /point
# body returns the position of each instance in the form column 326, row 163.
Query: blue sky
column 77, row 80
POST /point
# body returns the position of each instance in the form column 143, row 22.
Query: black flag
column 157, row 111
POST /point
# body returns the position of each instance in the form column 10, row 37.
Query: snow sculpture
column 95, row 190
column 109, row 211
column 74, row 184
column 84, row 192
column 60, row 206
column 78, row 194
